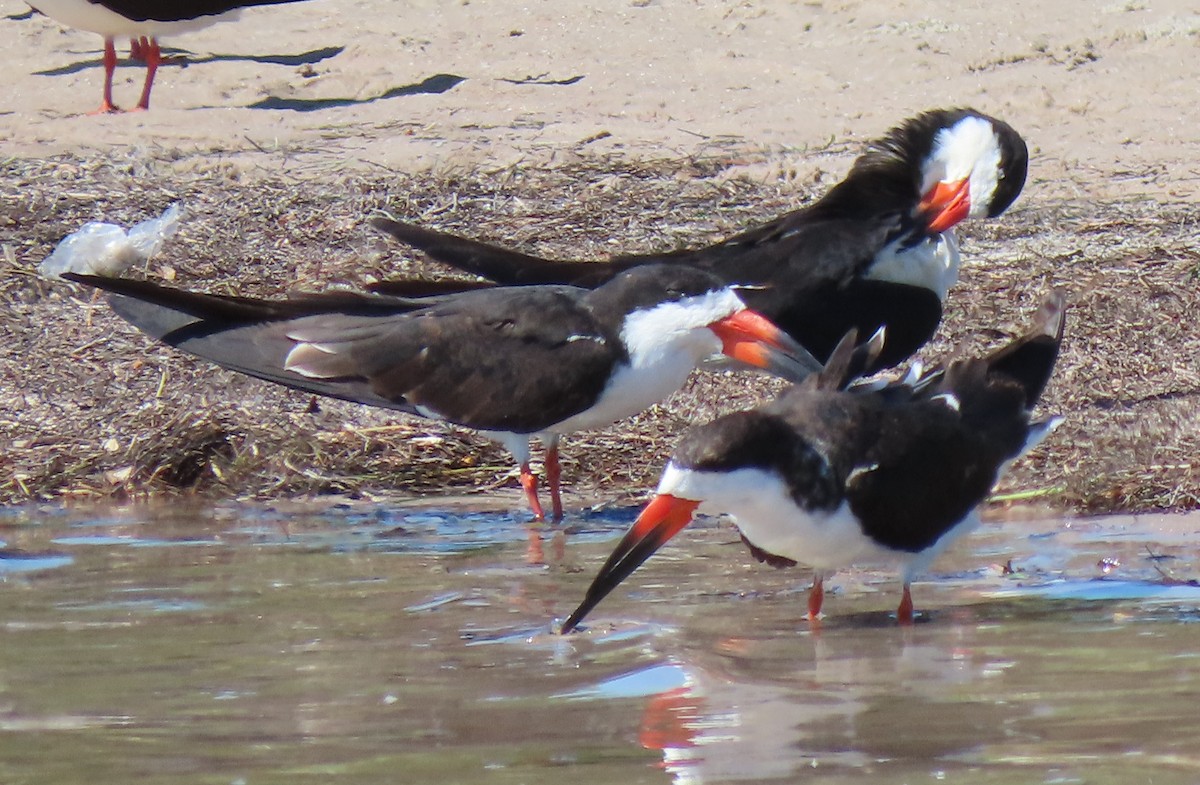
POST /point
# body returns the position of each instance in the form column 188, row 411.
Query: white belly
column 95, row 18
column 828, row 541
column 825, row 541
column 631, row 390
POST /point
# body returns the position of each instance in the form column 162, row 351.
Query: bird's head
column 734, row 462
column 975, row 168
column 682, row 311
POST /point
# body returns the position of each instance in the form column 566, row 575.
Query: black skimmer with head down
column 511, row 362
column 877, row 250
column 829, row 475
column 143, row 22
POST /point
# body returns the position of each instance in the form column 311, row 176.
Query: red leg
column 904, row 614
column 553, row 474
column 529, row 483
column 816, row 597
column 153, row 56
column 135, row 50
column 110, row 66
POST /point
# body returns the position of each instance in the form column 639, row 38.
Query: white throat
column 677, row 327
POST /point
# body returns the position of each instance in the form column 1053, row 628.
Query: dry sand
column 583, row 128
column 1105, row 92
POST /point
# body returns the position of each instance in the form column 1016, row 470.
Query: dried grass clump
column 88, row 407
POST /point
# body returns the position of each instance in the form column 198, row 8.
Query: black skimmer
column 143, row 23
column 877, row 250
column 511, row 362
column 829, row 475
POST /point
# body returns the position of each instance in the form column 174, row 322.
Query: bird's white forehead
column 969, row 145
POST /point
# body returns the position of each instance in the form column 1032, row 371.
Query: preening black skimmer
column 877, row 250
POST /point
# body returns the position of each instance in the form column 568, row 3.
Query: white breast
column 765, row 512
column 932, row 264
column 665, row 344
column 638, row 386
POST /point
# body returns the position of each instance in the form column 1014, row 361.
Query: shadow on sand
column 438, row 83
column 182, row 58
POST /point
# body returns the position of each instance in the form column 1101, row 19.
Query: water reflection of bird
column 831, row 475
column 828, row 702
column 878, row 249
column 143, row 23
column 511, row 362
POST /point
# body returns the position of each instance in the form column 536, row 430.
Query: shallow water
column 354, row 643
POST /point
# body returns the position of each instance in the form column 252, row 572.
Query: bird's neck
column 931, row 263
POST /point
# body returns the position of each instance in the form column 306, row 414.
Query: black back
column 178, row 10
column 497, row 359
column 910, row 460
column 806, row 266
column 515, row 359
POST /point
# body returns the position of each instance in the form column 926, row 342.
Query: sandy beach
column 1106, row 96
column 581, row 130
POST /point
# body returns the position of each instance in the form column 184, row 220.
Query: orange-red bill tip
column 751, row 338
column 658, row 522
column 663, row 517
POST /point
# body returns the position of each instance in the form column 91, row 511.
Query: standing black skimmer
column 877, row 250
column 142, row 22
column 511, row 362
column 830, row 475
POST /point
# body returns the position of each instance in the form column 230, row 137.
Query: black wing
column 504, row 359
column 501, row 265
column 512, row 359
column 802, row 274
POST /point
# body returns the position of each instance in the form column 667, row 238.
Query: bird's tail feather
column 1029, row 360
column 848, row 361
column 506, row 267
column 241, row 334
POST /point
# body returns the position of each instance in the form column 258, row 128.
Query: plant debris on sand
column 90, row 408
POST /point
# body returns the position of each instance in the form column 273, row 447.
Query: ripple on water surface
column 345, row 643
